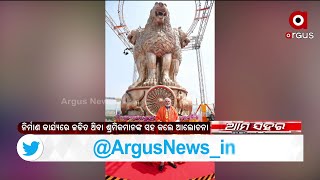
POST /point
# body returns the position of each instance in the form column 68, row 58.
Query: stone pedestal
column 146, row 100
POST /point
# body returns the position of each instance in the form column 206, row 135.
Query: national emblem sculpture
column 157, row 56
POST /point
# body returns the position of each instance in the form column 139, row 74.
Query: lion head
column 159, row 12
column 184, row 40
column 159, row 15
column 134, row 35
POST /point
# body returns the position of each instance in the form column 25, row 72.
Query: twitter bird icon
column 30, row 147
column 30, row 150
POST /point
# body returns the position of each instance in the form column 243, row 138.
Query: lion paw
column 150, row 82
column 167, row 81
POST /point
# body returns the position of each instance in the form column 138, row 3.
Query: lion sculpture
column 157, row 49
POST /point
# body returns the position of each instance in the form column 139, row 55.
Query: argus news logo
column 299, row 21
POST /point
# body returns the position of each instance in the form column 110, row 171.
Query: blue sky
column 119, row 67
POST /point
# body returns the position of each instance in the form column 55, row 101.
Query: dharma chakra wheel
column 155, row 98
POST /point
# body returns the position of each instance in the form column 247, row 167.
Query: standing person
column 167, row 113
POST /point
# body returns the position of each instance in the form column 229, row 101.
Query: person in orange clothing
column 167, row 113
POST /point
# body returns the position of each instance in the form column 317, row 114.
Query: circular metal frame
column 190, row 29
